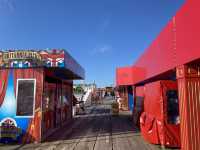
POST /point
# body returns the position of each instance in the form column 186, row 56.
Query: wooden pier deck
column 96, row 130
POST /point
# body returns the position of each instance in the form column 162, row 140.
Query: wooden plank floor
column 97, row 130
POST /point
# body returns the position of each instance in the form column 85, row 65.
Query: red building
column 124, row 82
column 175, row 55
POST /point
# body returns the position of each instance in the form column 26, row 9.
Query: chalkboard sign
column 25, row 97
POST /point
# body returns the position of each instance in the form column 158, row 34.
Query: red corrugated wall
column 189, row 97
column 178, row 43
column 188, row 32
column 159, row 57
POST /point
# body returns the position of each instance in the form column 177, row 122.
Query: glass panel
column 25, row 97
column 138, row 109
column 172, row 107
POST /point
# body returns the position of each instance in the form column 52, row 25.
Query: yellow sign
column 21, row 55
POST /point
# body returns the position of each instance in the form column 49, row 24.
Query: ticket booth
column 124, row 82
column 35, row 93
column 160, row 121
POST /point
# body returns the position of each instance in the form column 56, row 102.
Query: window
column 25, row 97
column 65, row 95
column 138, row 109
column 172, row 107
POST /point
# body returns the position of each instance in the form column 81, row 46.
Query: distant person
column 106, row 94
column 82, row 106
column 103, row 94
column 119, row 101
column 75, row 101
column 92, row 98
column 113, row 94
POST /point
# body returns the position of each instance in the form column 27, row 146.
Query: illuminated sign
column 29, row 58
column 21, row 55
column 40, row 58
column 9, row 129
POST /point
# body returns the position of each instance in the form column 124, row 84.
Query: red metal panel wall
column 177, row 44
column 159, row 57
column 124, row 76
column 188, row 32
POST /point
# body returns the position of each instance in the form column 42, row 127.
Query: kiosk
column 35, row 93
column 160, row 122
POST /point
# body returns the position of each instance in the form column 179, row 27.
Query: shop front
column 124, row 83
column 35, row 93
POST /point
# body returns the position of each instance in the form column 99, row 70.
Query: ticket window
column 172, row 107
column 25, row 97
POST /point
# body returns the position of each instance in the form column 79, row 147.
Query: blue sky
column 100, row 34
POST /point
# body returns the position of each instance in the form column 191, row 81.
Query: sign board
column 40, row 58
